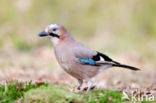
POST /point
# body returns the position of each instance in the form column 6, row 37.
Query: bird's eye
column 54, row 29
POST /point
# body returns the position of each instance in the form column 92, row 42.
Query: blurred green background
column 110, row 26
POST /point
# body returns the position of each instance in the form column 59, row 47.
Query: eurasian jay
column 77, row 59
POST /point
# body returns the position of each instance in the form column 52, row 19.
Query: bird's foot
column 86, row 88
column 78, row 88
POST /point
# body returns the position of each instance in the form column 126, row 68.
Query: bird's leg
column 89, row 85
column 80, row 81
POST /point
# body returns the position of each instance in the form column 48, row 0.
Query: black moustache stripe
column 54, row 35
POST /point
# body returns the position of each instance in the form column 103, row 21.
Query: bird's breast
column 64, row 59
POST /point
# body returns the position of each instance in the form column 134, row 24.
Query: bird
column 75, row 58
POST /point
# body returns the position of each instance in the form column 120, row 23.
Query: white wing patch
column 103, row 61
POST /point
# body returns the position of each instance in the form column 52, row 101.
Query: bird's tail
column 126, row 66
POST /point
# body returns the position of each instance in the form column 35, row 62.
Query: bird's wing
column 90, row 57
column 98, row 59
column 82, row 51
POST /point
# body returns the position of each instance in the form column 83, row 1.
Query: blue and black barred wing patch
column 87, row 61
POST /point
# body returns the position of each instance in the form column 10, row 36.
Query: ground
column 42, row 69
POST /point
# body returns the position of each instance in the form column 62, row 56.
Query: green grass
column 54, row 94
column 61, row 95
column 49, row 94
column 14, row 92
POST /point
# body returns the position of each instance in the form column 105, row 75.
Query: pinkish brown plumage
column 77, row 59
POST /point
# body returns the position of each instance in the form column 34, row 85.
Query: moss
column 49, row 94
column 53, row 94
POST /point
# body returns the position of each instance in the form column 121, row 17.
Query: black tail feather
column 126, row 66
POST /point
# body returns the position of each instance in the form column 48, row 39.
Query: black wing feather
column 105, row 57
column 114, row 63
column 97, row 57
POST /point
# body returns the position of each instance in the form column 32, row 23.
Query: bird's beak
column 43, row 33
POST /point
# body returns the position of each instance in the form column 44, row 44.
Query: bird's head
column 55, row 31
